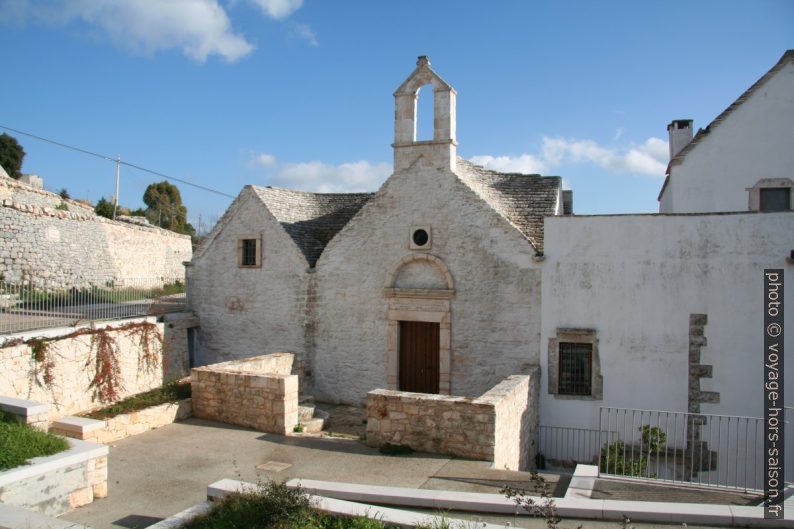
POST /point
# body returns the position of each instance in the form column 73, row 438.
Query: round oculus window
column 420, row 237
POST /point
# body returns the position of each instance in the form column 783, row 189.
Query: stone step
column 313, row 425
column 305, row 413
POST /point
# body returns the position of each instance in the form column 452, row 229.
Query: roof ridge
column 787, row 57
column 310, row 219
column 523, row 200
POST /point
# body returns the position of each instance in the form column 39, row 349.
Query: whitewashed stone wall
column 54, row 485
column 72, row 367
column 250, row 311
column 495, row 310
column 635, row 280
column 55, row 248
column 498, row 426
column 752, row 143
column 257, row 392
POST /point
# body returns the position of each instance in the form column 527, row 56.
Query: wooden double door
column 419, row 356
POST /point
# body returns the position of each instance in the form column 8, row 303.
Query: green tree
column 64, row 193
column 11, row 155
column 104, row 208
column 164, row 208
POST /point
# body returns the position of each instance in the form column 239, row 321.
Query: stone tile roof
column 788, row 57
column 311, row 219
column 523, row 199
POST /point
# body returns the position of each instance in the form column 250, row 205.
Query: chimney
column 680, row 131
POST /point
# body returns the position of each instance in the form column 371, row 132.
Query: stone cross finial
column 423, row 60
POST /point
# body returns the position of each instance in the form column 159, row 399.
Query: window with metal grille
column 775, row 199
column 248, row 249
column 576, row 360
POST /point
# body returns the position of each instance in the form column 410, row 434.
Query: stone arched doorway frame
column 419, row 304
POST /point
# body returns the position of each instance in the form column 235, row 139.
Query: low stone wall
column 122, row 426
column 57, row 484
column 61, row 375
column 254, row 392
column 275, row 363
column 498, row 426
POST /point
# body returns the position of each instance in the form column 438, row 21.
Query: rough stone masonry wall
column 72, row 366
column 267, row 401
column 55, row 248
column 498, row 426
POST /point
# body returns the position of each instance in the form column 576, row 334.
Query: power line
column 114, row 160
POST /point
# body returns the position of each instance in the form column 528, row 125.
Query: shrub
column 274, row 506
column 20, row 442
column 616, row 459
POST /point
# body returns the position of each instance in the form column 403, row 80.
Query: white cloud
column 306, row 33
column 648, row 158
column 264, row 159
column 199, row 28
column 525, row 163
column 278, row 8
column 326, row 178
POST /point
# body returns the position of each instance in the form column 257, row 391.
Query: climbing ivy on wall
column 103, row 356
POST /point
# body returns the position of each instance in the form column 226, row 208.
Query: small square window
column 575, row 376
column 775, row 199
column 574, row 365
column 249, row 253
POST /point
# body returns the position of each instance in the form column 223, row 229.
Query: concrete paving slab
column 164, row 471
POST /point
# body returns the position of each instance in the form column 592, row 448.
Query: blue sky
column 299, row 94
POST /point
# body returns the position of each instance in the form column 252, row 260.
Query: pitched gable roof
column 311, row 219
column 522, row 199
column 788, row 57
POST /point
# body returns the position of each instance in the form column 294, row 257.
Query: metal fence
column 26, row 306
column 712, row 450
column 564, row 447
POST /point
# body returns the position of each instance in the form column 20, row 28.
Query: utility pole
column 118, row 171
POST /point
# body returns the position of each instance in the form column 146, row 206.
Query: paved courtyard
column 159, row 473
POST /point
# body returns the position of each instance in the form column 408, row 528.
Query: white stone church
column 452, row 277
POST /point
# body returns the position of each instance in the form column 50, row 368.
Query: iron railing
column 564, row 447
column 25, row 306
column 725, row 451
column 714, row 450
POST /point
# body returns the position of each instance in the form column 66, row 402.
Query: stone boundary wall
column 234, row 393
column 88, row 249
column 70, row 364
column 497, row 426
column 57, row 484
column 122, row 426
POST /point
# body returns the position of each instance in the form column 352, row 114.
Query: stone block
column 100, row 490
column 81, row 497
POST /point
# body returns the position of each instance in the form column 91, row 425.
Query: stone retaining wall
column 255, row 392
column 122, row 426
column 57, row 484
column 89, row 249
column 63, row 377
column 498, row 426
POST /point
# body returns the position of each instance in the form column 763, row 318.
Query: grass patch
column 274, row 506
column 171, row 392
column 20, row 442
